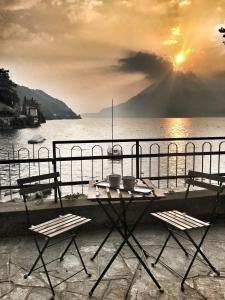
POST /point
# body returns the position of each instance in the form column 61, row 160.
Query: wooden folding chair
column 177, row 221
column 64, row 224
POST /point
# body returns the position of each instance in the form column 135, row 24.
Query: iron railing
column 165, row 160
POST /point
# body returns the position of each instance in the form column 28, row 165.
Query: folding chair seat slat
column 185, row 218
column 51, row 222
column 165, row 219
column 69, row 228
column 194, row 219
column 175, row 220
column 60, row 222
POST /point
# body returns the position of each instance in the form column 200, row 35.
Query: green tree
column 8, row 93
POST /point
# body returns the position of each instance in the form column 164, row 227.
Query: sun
column 180, row 58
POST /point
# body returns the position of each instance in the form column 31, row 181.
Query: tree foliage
column 8, row 93
column 222, row 30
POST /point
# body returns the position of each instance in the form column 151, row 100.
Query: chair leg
column 163, row 247
column 81, row 259
column 67, row 248
column 203, row 255
column 198, row 250
column 45, row 269
column 41, row 251
column 178, row 242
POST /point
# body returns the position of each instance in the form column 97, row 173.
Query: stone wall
column 13, row 217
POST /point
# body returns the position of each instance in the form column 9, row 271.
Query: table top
column 101, row 193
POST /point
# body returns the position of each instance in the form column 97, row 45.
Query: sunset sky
column 87, row 52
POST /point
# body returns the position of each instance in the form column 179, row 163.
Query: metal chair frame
column 172, row 228
column 26, row 189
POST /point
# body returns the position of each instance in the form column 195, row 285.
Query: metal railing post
column 137, row 159
column 54, row 168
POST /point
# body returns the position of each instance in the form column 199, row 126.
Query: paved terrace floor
column 125, row 280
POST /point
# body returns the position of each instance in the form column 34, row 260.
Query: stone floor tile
column 212, row 288
column 4, row 267
column 84, row 287
column 41, row 294
column 5, row 288
column 18, row 293
column 117, row 289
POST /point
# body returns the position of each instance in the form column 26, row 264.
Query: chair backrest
column 29, row 185
column 196, row 179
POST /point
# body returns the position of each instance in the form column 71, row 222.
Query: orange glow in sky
column 71, row 49
column 181, row 58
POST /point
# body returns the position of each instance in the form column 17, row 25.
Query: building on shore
column 27, row 115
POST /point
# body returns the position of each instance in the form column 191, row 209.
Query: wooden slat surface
column 30, row 179
column 163, row 218
column 186, row 219
column 192, row 218
column 206, row 176
column 205, row 185
column 101, row 193
column 59, row 225
column 38, row 187
column 180, row 220
column 70, row 227
column 51, row 222
column 157, row 191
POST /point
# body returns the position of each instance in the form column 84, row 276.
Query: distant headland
column 22, row 107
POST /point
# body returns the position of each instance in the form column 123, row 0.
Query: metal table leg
column 125, row 235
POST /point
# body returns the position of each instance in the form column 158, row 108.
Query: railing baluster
column 137, row 160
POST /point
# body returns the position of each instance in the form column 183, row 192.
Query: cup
column 129, row 183
column 114, row 181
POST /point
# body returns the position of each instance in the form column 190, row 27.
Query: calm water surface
column 93, row 128
column 99, row 128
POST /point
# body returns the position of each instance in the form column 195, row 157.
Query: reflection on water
column 177, row 127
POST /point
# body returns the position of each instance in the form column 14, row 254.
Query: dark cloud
column 148, row 63
column 219, row 75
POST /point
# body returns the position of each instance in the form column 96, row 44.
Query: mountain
column 51, row 108
column 178, row 94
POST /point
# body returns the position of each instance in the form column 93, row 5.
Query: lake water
column 99, row 128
